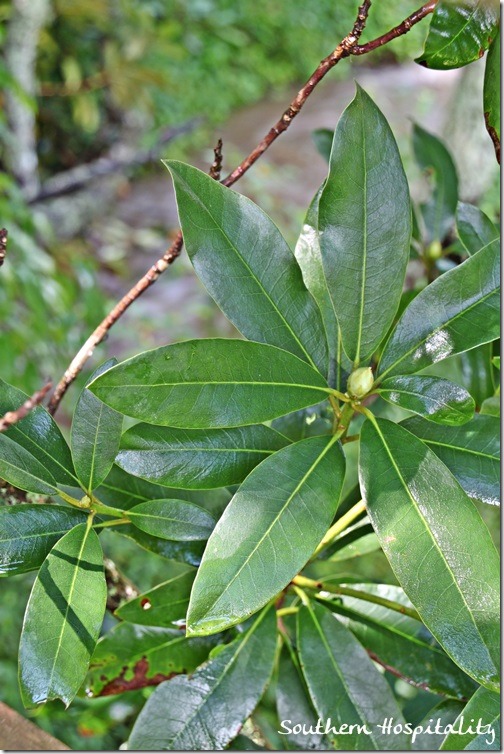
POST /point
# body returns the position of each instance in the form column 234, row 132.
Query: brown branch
column 3, row 244
column 11, row 417
column 215, row 170
column 348, row 46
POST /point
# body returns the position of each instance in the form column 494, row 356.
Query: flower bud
column 360, row 382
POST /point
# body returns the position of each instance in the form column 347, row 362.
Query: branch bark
column 348, row 46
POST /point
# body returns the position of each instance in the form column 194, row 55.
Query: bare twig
column 3, row 244
column 119, row 588
column 348, row 46
column 11, row 417
column 215, row 170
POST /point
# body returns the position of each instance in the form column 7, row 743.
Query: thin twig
column 11, row 417
column 215, row 170
column 348, row 46
column 3, row 244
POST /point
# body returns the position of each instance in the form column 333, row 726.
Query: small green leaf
column 471, row 452
column 28, row 532
column 438, row 212
column 491, row 93
column 181, row 386
column 21, row 469
column 491, row 406
column 162, row 605
column 96, row 432
column 131, row 657
column 206, row 711
column 39, row 434
column 184, row 552
column 172, row 519
column 484, row 735
column 247, row 267
column 459, row 33
column 458, row 311
column 267, row 533
column 307, row 422
column 194, row 458
column 475, row 229
column 477, row 372
column 365, row 227
column 436, row 543
column 323, row 139
column 63, row 619
column 344, row 684
column 437, row 400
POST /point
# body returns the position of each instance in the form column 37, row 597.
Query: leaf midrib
column 451, row 41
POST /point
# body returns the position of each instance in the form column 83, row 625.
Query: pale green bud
column 360, row 382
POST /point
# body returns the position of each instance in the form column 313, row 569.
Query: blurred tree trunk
column 27, row 20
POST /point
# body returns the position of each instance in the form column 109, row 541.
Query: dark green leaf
column 365, row 227
column 184, row 552
column 491, row 93
column 247, row 266
column 39, row 434
column 354, row 542
column 436, row 543
column 323, row 139
column 308, row 422
column 28, row 532
column 172, row 519
column 21, row 469
column 207, row 710
column 201, row 384
column 96, row 432
column 130, row 657
column 471, row 452
column 267, row 533
column 477, row 372
column 194, row 458
column 437, row 400
column 162, row 605
column 243, row 743
column 344, row 684
column 442, row 715
column 438, row 212
column 478, row 726
column 459, row 33
column 475, row 229
column 457, row 312
column 63, row 619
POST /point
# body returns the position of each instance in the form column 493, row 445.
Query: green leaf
column 365, row 227
column 425, row 737
column 477, row 372
column 323, row 139
column 28, row 532
column 354, row 542
column 181, row 386
column 491, row 93
column 491, row 406
column 344, row 684
column 95, row 436
column 459, row 33
column 247, row 267
column 438, row 400
column 207, row 710
column 475, row 229
column 471, row 452
column 399, row 642
column 162, row 605
column 436, row 543
column 63, row 619
column 267, row 533
column 39, row 434
column 484, row 709
column 457, row 312
column 307, row 422
column 194, row 458
column 438, row 212
column 131, row 657
column 172, row 519
column 184, row 552
column 21, row 469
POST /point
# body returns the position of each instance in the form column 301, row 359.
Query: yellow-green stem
column 340, row 526
column 115, row 522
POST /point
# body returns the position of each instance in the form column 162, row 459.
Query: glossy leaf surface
column 471, row 452
column 162, row 605
column 193, row 458
column 180, row 386
column 39, row 434
column 459, row 33
column 344, row 685
column 484, row 708
column 478, row 372
column 436, row 543
column 491, row 92
column 365, row 227
column 457, row 312
column 247, row 267
column 475, row 229
column 63, row 619
column 207, row 710
column 172, row 519
column 131, row 657
column 437, row 400
column 21, row 469
column 267, row 533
